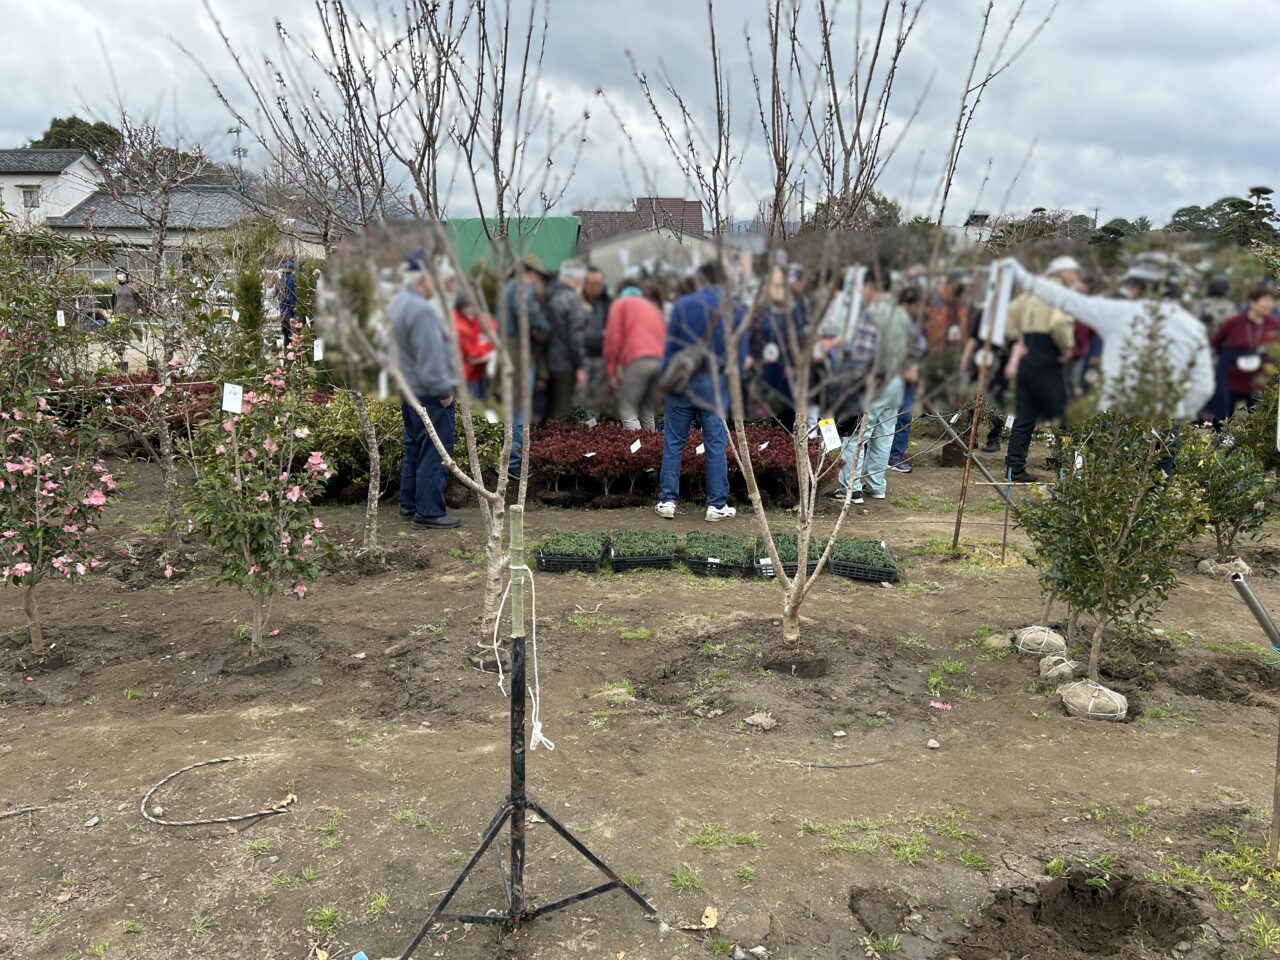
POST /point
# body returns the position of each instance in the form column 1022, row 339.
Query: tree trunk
column 32, row 610
column 370, row 541
column 790, row 625
column 1073, row 621
column 169, row 471
column 261, row 617
column 495, row 570
column 1048, row 605
column 1095, row 650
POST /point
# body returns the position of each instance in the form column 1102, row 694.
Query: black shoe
column 991, row 447
column 407, row 515
column 1024, row 476
column 435, row 523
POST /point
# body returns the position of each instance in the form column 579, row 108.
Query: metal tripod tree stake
column 517, row 805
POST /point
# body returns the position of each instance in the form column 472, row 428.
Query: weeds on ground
column 324, row 920
column 686, row 878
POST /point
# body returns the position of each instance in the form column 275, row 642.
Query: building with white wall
column 39, row 185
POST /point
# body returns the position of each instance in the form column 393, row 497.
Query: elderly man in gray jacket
column 424, row 355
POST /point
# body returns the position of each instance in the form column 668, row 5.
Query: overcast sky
column 1135, row 106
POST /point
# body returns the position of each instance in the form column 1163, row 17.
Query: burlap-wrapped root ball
column 1084, row 698
column 1057, row 669
column 1040, row 642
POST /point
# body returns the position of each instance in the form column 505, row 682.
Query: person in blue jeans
column 701, row 317
column 425, row 357
column 902, row 435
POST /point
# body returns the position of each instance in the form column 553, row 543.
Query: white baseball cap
column 1060, row 264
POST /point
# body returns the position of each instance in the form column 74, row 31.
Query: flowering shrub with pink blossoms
column 53, row 488
column 256, row 475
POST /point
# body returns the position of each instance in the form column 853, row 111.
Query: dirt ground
column 838, row 833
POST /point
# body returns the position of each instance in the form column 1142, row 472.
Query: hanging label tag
column 771, row 353
column 635, row 446
column 591, row 454
column 591, row 423
column 1079, row 462
column 382, row 384
column 61, row 319
column 715, row 560
column 232, row 397
column 764, row 446
column 317, row 349
column 830, row 435
column 700, row 449
column 1008, row 422
column 954, row 418
column 235, row 316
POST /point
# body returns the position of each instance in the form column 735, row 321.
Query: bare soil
column 834, row 833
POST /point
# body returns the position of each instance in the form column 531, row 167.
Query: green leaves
column 586, row 546
column 787, row 548
column 644, row 543
column 867, row 553
column 1237, row 494
column 729, row 550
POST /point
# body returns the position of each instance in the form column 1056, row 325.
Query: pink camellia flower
column 12, row 467
column 939, row 705
column 173, row 364
column 228, row 425
column 220, row 448
column 293, row 493
column 269, row 445
column 191, row 526
column 96, row 498
column 255, row 569
column 109, row 480
column 168, row 571
column 80, row 569
column 300, row 590
column 315, row 522
column 157, row 388
column 302, row 433
column 21, row 569
column 263, row 497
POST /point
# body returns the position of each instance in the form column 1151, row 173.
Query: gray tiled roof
column 211, row 207
column 682, row 216
column 28, row 160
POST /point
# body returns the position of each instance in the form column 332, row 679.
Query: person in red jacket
column 475, row 342
column 635, row 335
column 1243, row 343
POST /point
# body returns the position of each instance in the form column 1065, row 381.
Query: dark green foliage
column 76, row 133
column 249, row 325
column 587, row 546
column 729, row 550
column 787, row 547
column 644, row 543
column 1237, row 493
column 866, row 553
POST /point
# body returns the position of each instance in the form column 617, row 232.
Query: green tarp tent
column 553, row 239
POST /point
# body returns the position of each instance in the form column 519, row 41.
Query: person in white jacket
column 1116, row 321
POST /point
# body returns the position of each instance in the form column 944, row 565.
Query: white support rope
column 536, row 738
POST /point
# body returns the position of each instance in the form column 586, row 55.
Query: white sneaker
column 666, row 509
column 720, row 513
column 877, row 496
column 856, row 499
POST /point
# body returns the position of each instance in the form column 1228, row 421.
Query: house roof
column 682, row 216
column 30, row 160
column 195, row 207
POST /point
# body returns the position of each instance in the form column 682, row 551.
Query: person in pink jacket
column 634, row 337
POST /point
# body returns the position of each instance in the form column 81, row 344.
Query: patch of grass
column 1100, row 869
column 43, row 922
column 685, row 878
column 260, row 846
column 378, row 904
column 308, row 875
column 710, row 837
column 284, row 880
column 468, row 556
column 1263, row 933
column 974, row 861
column 953, row 667
column 881, row 946
column 1167, row 712
column 709, row 649
column 909, row 849
column 719, row 948
column 907, row 502
column 745, row 873
column 412, row 819
column 130, row 926
column 935, row 683
column 620, row 692
column 324, row 920
column 100, row 949
column 639, row 633
column 746, row 840
column 984, row 632
column 131, row 694
column 202, row 925
column 631, row 880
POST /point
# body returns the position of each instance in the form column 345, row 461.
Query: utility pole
column 239, row 153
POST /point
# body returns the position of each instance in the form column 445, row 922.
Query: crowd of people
column 877, row 356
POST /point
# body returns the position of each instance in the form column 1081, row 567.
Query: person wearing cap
column 1182, row 336
column 287, row 299
column 634, row 339
column 424, row 356
column 1244, row 344
column 1043, row 339
column 522, row 297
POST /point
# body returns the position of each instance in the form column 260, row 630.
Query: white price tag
column 382, row 384
column 954, row 418
column 764, row 446
column 1079, row 462
column 317, row 349
column 235, row 316
column 635, row 446
column 62, row 319
column 279, row 343
column 232, row 398
column 1008, row 422
column 490, row 416
column 591, row 454
column 715, row 560
column 700, row 449
column 830, row 435
column 591, row 423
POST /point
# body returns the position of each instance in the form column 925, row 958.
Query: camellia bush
column 1238, row 494
column 256, row 477
column 1108, row 535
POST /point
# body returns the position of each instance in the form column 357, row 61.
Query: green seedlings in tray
column 730, row 551
column 583, row 546
column 643, row 543
column 865, row 553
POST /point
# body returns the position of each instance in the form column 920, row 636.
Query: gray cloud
column 1138, row 107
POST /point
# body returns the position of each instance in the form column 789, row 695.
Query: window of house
column 30, row 197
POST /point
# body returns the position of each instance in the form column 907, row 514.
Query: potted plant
column 564, row 551
column 643, row 549
column 863, row 560
column 717, row 554
column 787, row 550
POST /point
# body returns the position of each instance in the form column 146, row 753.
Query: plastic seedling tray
column 711, row 567
column 553, row 564
column 621, row 564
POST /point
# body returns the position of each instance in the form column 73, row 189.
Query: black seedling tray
column 547, row 564
column 621, row 564
column 856, row 571
column 705, row 568
column 766, row 569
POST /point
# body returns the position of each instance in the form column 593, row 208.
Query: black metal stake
column 518, row 804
